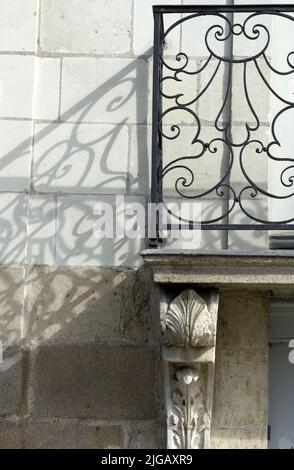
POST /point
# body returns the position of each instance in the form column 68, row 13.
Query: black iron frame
column 157, row 158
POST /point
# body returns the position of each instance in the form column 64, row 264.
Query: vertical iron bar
column 228, row 75
column 156, row 141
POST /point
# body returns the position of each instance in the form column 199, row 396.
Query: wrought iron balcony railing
column 223, row 116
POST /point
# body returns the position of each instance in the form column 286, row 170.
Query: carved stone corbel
column 189, row 326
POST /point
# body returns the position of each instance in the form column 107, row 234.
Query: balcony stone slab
column 271, row 270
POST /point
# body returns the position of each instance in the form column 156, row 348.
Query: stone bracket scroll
column 189, row 325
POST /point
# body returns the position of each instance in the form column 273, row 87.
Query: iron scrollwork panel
column 176, row 106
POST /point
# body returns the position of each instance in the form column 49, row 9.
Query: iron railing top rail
column 221, row 8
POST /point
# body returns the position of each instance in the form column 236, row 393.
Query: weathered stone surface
column 241, row 389
column 74, row 303
column 253, row 270
column 251, row 438
column 10, row 381
column 11, row 298
column 243, row 321
column 11, row 436
column 144, row 435
column 136, row 305
column 87, row 27
column 59, row 434
column 88, row 303
column 93, row 381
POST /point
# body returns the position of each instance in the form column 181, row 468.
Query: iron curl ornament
column 177, row 111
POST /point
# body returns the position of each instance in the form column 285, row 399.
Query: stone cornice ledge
column 259, row 269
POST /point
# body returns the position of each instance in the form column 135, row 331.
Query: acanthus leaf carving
column 190, row 322
column 187, row 419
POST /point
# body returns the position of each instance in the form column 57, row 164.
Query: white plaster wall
column 75, row 126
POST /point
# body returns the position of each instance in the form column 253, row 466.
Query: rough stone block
column 251, row 438
column 10, row 434
column 60, row 434
column 11, row 300
column 243, row 321
column 241, row 389
column 144, row 435
column 10, row 381
column 71, row 303
column 136, row 305
column 90, row 27
column 104, row 90
column 93, row 381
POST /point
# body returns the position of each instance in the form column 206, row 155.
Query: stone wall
column 87, row 372
column 81, row 359
column 78, row 318
column 240, row 409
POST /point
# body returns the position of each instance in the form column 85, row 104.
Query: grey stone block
column 10, row 434
column 136, row 305
column 241, row 389
column 93, row 381
column 74, row 303
column 251, row 438
column 59, row 434
column 10, row 381
column 11, row 297
column 243, row 321
column 144, row 435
